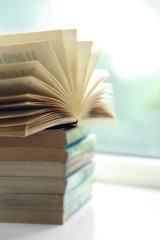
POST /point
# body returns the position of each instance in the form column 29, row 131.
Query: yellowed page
column 96, row 120
column 26, row 130
column 36, row 69
column 27, row 119
column 41, row 51
column 30, row 101
column 101, row 100
column 84, row 51
column 53, row 36
column 70, row 42
column 54, row 104
column 91, row 66
column 21, row 113
column 48, row 118
column 32, row 85
column 24, row 85
column 97, row 77
column 24, row 98
column 23, row 105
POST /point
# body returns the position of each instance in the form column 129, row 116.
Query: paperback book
column 48, row 79
column 45, row 185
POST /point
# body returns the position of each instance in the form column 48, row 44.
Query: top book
column 48, row 79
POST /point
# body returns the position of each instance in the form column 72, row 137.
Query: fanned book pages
column 48, row 79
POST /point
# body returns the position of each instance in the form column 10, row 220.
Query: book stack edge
column 46, row 177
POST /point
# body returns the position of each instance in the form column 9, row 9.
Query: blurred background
column 127, row 33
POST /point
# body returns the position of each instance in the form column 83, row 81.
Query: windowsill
column 115, row 212
column 128, row 170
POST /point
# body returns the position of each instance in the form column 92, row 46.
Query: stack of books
column 46, row 177
column 48, row 79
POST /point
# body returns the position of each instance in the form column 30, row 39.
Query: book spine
column 78, row 162
column 81, row 146
column 79, row 176
column 83, row 188
column 77, row 204
column 76, row 133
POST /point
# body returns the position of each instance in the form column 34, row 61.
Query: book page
column 31, row 101
column 32, row 68
column 91, row 66
column 23, row 85
column 70, row 43
column 26, row 130
column 84, row 51
column 24, row 126
column 23, row 98
column 27, row 119
column 96, row 120
column 41, row 51
column 24, row 105
column 46, row 79
column 45, row 118
column 100, row 103
column 21, row 113
column 53, row 36
column 32, row 85
column 97, row 77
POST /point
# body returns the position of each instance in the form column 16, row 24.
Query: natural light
column 127, row 30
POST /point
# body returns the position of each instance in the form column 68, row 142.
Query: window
column 127, row 35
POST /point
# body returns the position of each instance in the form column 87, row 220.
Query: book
column 46, row 185
column 27, row 162
column 43, row 168
column 45, row 216
column 46, row 201
column 60, row 136
column 48, row 79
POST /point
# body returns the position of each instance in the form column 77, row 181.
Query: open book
column 48, row 79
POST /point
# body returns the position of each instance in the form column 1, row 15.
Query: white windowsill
column 135, row 171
